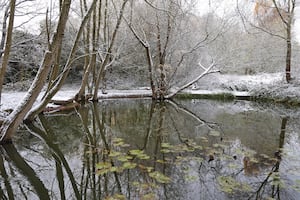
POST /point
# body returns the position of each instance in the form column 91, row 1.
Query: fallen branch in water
column 68, row 106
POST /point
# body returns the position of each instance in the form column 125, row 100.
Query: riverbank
column 262, row 87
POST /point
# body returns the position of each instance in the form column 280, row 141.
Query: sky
column 229, row 5
column 202, row 7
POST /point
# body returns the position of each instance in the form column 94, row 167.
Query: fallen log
column 61, row 102
column 62, row 108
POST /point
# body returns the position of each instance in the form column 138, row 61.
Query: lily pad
column 159, row 177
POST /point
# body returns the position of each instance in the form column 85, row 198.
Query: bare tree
column 58, row 82
column 271, row 17
column 12, row 122
column 106, row 59
column 164, row 30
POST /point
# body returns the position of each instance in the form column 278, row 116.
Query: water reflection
column 139, row 149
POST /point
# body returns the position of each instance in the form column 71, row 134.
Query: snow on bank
column 263, row 85
column 271, row 86
column 11, row 99
column 239, row 82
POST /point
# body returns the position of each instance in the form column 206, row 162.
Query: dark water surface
column 137, row 149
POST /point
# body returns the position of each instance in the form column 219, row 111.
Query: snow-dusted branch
column 207, row 70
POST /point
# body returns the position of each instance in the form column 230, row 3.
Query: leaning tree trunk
column 11, row 123
column 38, row 109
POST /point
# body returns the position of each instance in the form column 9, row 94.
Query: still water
column 138, row 149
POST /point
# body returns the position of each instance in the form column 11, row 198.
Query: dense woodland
column 166, row 45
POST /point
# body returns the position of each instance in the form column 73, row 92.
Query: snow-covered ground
column 240, row 82
column 271, row 86
column 261, row 85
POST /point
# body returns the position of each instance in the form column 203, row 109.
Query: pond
column 139, row 149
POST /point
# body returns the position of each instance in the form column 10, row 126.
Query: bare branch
column 156, row 8
column 279, row 13
column 205, row 72
column 244, row 21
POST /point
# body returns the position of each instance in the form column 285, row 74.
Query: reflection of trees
column 8, row 188
column 46, row 134
column 174, row 141
column 95, row 150
column 273, row 176
column 23, row 168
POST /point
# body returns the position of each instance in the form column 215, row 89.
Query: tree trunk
column 4, row 26
column 80, row 96
column 146, row 45
column 8, row 39
column 31, row 115
column 11, row 123
column 288, row 52
column 108, row 54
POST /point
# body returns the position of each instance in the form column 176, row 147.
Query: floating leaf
column 103, row 168
column 149, row 196
column 102, row 171
column 135, row 183
column 124, row 158
column 198, row 147
column 204, row 139
column 159, row 177
column 166, row 145
column 214, row 133
column 254, row 160
column 140, row 154
column 229, row 185
column 119, row 142
column 219, row 146
column 165, row 151
column 143, row 157
column 161, row 161
column 264, row 156
column 114, row 154
column 129, row 165
column 148, row 169
column 136, row 152
column 103, row 165
column 115, row 169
